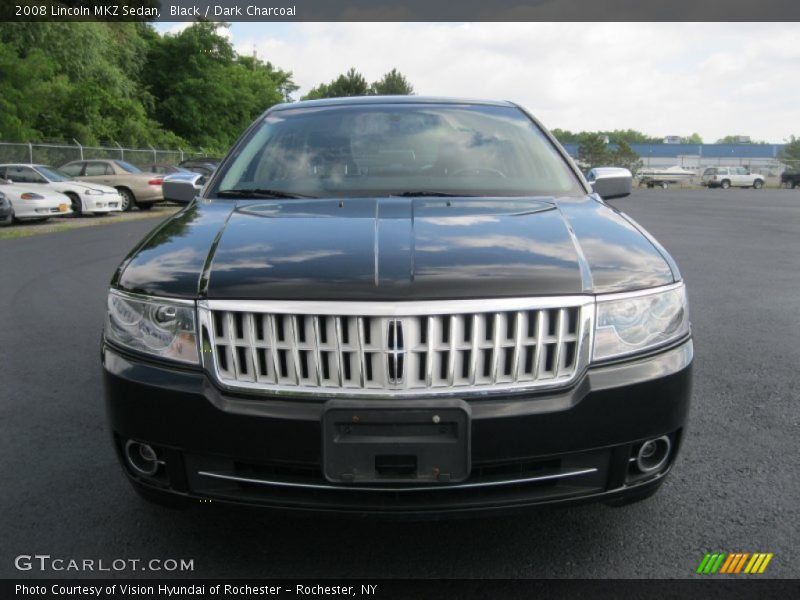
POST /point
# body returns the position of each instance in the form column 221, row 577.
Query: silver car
column 136, row 187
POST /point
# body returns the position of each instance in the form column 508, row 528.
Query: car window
column 73, row 169
column 22, row 174
column 126, row 166
column 385, row 149
column 52, row 174
column 710, row 171
column 95, row 169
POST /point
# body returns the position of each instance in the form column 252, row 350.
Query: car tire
column 7, row 221
column 758, row 184
column 75, row 204
column 160, row 498
column 128, row 201
column 725, row 184
column 147, row 206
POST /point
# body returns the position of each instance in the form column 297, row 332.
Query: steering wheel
column 478, row 170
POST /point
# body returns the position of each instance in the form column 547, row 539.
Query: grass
column 56, row 224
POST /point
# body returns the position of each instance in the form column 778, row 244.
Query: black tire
column 725, row 184
column 147, row 206
column 128, row 200
column 160, row 498
column 7, row 221
column 75, row 204
column 758, row 184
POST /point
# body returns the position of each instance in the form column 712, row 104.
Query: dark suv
column 406, row 306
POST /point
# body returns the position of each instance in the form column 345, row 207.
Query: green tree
column 692, row 139
column 393, row 83
column 88, row 76
column 204, row 92
column 565, row 136
column 790, row 153
column 593, row 151
column 351, row 83
column 624, row 156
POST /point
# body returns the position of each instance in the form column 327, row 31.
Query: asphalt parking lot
column 734, row 488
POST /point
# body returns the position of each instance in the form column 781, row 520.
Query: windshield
column 52, row 174
column 710, row 171
column 416, row 149
column 128, row 166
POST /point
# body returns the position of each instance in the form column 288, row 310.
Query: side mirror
column 182, row 187
column 610, row 182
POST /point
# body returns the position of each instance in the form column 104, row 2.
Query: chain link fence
column 58, row 153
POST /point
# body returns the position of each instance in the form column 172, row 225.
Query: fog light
column 142, row 458
column 653, row 454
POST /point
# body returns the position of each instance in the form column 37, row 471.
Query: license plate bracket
column 396, row 442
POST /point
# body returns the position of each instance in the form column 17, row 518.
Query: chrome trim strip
column 429, row 488
column 397, row 309
column 639, row 293
column 147, row 298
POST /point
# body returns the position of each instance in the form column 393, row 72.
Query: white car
column 32, row 203
column 84, row 197
column 726, row 177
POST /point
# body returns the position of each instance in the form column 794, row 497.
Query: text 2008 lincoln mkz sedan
column 398, row 306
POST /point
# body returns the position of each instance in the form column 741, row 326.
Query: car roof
column 361, row 100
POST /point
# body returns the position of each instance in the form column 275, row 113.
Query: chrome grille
column 407, row 348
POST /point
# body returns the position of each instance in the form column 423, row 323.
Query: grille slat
column 471, row 350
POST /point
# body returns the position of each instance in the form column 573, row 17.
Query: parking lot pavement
column 55, row 224
column 734, row 488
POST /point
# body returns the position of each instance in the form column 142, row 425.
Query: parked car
column 407, row 306
column 790, row 178
column 205, row 165
column 725, row 177
column 165, row 169
column 136, row 187
column 90, row 198
column 32, row 203
column 6, row 210
column 183, row 187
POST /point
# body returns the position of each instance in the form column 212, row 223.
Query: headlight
column 31, row 196
column 627, row 324
column 93, row 192
column 158, row 327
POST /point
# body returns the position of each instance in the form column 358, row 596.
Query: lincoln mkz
column 400, row 307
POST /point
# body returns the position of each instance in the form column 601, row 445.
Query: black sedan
column 398, row 306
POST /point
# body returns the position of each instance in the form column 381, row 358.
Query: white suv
column 726, row 177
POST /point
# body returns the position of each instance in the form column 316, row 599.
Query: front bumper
column 534, row 449
column 102, row 203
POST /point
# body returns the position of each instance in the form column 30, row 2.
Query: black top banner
column 403, row 10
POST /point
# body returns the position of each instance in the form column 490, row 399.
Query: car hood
column 42, row 190
column 395, row 249
column 82, row 186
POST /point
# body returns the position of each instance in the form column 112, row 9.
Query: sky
column 715, row 79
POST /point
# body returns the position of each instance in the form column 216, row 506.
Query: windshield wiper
column 259, row 193
column 423, row 193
